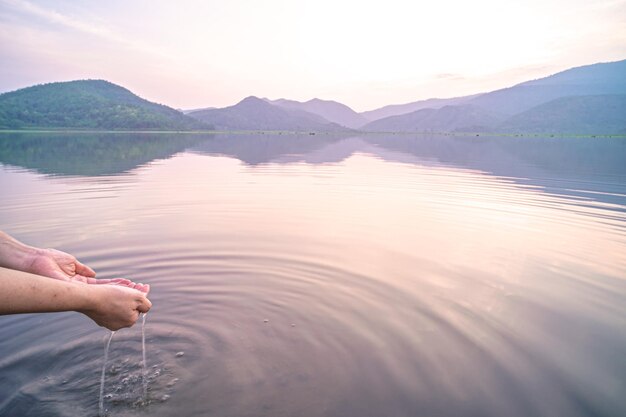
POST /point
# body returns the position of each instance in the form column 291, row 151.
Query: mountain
column 87, row 104
column 253, row 113
column 595, row 79
column 446, row 119
column 330, row 110
column 583, row 100
column 580, row 115
column 398, row 109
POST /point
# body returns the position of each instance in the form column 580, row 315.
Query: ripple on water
column 361, row 288
column 258, row 322
column 66, row 378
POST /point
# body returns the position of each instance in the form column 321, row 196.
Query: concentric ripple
column 347, row 280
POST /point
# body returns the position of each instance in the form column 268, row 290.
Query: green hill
column 87, row 104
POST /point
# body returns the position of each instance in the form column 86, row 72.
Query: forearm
column 21, row 292
column 14, row 254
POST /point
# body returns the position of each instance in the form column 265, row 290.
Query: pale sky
column 366, row 54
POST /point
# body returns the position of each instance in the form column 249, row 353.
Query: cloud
column 449, row 76
column 86, row 27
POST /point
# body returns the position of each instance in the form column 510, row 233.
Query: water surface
column 327, row 276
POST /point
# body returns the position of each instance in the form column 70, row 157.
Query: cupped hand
column 59, row 265
column 115, row 307
column 56, row 264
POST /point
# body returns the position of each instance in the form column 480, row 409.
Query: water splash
column 104, row 365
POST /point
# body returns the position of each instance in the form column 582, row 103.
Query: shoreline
column 311, row 133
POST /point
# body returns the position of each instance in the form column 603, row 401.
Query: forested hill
column 88, row 104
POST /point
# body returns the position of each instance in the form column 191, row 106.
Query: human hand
column 115, row 307
column 56, row 264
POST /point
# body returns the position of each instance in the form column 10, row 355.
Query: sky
column 364, row 53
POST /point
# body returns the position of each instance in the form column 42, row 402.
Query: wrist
column 88, row 298
column 16, row 255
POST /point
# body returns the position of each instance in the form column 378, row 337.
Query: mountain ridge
column 547, row 104
column 331, row 110
column 253, row 113
column 594, row 79
column 555, row 104
column 465, row 117
column 582, row 115
column 399, row 109
column 85, row 104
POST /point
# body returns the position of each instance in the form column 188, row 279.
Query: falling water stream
column 143, row 354
column 104, row 365
column 144, row 376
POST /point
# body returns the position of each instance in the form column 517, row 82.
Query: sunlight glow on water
column 333, row 276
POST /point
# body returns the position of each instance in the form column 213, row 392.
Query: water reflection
column 589, row 168
column 337, row 276
column 90, row 154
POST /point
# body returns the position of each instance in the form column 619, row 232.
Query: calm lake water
column 327, row 276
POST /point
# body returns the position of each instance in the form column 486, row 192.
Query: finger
column 144, row 288
column 120, row 281
column 135, row 285
column 144, row 306
column 89, row 280
column 115, row 281
column 84, row 270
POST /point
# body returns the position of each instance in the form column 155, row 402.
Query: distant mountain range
column 88, row 104
column 398, row 109
column 578, row 115
column 596, row 79
column 448, row 118
column 584, row 100
column 330, row 110
column 253, row 113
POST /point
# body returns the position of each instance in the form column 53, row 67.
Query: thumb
column 144, row 305
column 84, row 270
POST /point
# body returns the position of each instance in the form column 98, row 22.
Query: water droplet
column 179, row 354
column 164, row 397
column 266, row 321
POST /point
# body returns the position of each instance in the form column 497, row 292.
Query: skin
column 110, row 306
column 26, row 286
column 50, row 263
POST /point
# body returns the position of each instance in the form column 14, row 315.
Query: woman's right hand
column 116, row 306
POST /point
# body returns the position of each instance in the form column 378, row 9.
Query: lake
column 320, row 275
